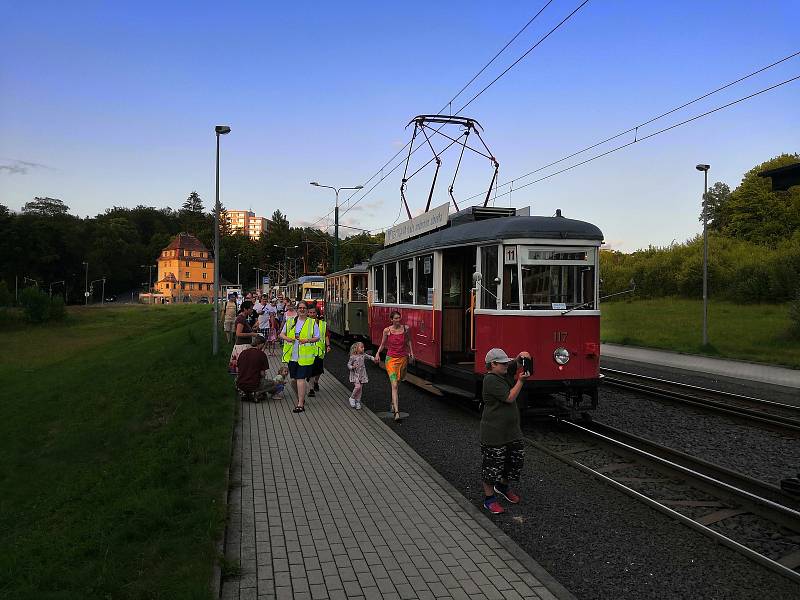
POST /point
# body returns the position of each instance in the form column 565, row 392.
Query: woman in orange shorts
column 397, row 341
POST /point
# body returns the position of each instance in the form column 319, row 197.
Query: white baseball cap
column 497, row 355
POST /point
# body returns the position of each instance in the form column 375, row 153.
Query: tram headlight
column 561, row 356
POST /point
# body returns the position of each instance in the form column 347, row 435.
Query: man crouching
column 252, row 365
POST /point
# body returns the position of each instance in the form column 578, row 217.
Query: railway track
column 752, row 517
column 762, row 411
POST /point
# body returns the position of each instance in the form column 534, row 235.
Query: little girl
column 358, row 373
column 272, row 337
column 280, row 380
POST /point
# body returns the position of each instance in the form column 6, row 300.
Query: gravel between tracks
column 596, row 541
column 766, row 455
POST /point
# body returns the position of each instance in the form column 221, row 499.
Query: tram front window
column 552, row 279
column 359, row 291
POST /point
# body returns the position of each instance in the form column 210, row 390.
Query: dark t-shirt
column 500, row 423
column 250, row 364
column 245, row 329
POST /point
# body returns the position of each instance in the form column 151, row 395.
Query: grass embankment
column 753, row 332
column 114, row 442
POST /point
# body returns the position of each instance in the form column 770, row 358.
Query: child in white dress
column 358, row 373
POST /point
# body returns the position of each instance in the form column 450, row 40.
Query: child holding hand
column 358, row 373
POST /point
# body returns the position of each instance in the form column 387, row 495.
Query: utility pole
column 103, row 296
column 704, row 169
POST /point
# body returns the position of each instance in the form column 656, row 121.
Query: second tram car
column 310, row 288
column 492, row 278
column 346, row 308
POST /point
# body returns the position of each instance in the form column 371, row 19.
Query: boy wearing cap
column 502, row 447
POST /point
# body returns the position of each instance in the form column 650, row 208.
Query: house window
column 187, row 273
column 187, row 263
column 204, row 275
column 191, row 286
column 204, row 264
column 183, row 286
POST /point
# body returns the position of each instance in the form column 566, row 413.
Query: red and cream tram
column 488, row 277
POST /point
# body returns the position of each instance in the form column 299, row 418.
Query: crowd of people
column 255, row 325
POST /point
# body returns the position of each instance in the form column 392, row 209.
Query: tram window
column 406, row 281
column 391, row 282
column 359, row 290
column 378, row 272
column 510, row 287
column 489, row 289
column 425, row 279
column 545, row 285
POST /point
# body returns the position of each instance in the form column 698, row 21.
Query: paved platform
column 331, row 503
column 733, row 369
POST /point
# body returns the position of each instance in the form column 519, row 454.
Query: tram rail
column 721, row 496
column 767, row 412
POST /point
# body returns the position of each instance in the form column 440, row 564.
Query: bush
column 6, row 298
column 794, row 316
column 57, row 309
column 35, row 305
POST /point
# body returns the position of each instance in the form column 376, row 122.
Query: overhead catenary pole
column 219, row 130
column 704, row 169
column 336, row 220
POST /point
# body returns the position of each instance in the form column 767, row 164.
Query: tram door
column 457, row 268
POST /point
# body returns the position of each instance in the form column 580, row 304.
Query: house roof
column 186, row 241
column 168, row 278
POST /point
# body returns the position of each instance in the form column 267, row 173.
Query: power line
column 387, row 163
column 655, row 133
column 635, row 128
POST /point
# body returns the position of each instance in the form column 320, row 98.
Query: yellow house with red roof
column 185, row 271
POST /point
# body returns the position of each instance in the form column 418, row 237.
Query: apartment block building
column 247, row 222
column 185, row 271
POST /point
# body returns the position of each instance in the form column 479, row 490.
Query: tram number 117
column 559, row 336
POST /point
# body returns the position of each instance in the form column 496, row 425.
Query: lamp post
column 704, row 169
column 285, row 261
column 336, row 220
column 218, row 130
column 258, row 281
column 149, row 280
column 86, row 283
column 238, row 262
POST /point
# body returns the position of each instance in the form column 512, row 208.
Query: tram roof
column 308, row 279
column 497, row 230
column 360, row 268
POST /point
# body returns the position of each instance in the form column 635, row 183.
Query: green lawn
column 114, row 443
column 753, row 332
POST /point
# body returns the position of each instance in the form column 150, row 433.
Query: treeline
column 45, row 246
column 753, row 248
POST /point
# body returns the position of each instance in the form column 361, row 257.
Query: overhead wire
column 401, row 150
column 635, row 128
column 655, row 133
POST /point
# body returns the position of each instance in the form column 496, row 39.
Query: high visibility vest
column 322, row 343
column 306, row 352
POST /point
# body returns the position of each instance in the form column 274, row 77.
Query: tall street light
column 285, row 261
column 86, row 283
column 238, row 262
column 218, row 130
column 336, row 220
column 704, row 169
column 149, row 280
column 258, row 281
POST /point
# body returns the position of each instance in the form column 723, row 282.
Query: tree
column 193, row 204
column 753, row 212
column 45, row 207
column 717, row 195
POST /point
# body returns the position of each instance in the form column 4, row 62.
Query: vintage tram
column 346, row 308
column 310, row 288
column 490, row 277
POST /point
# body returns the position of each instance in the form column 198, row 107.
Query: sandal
column 397, row 418
column 299, row 409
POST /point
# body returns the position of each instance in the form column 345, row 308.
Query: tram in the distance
column 492, row 278
column 346, row 309
column 310, row 288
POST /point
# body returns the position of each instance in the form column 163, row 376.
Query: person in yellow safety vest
column 300, row 336
column 323, row 346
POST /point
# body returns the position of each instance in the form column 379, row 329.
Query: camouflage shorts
column 502, row 462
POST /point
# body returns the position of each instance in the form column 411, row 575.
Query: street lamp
column 285, row 261
column 218, row 130
column 149, row 280
column 86, row 283
column 259, row 286
column 238, row 262
column 336, row 220
column 704, row 169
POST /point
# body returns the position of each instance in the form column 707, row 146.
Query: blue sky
column 115, row 103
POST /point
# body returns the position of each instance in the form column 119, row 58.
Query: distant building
column 245, row 221
column 185, row 271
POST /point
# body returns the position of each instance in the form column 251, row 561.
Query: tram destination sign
column 433, row 219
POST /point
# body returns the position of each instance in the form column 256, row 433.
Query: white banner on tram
column 433, row 219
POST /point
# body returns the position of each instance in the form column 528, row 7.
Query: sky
column 114, row 104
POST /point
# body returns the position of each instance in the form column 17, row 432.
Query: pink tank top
column 396, row 344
